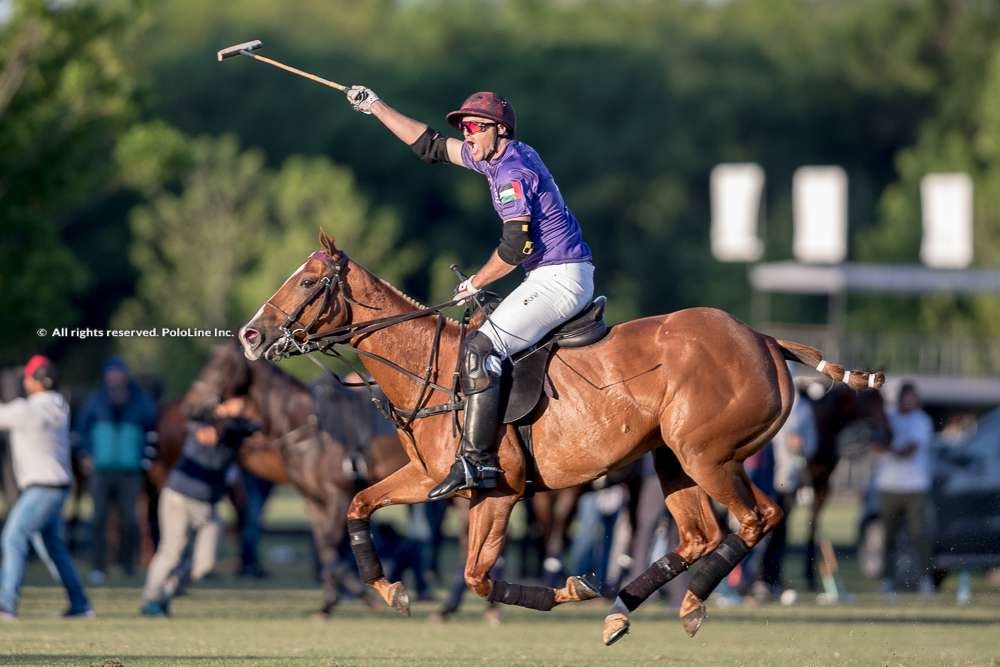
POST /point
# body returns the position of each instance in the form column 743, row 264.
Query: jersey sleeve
column 517, row 190
column 469, row 163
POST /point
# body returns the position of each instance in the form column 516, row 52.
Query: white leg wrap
column 821, row 365
column 871, row 381
column 847, row 377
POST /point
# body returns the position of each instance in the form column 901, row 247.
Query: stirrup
column 465, row 475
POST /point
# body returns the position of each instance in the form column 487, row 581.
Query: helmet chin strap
column 496, row 143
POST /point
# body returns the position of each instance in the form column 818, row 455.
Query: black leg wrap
column 532, row 597
column 369, row 565
column 650, row 581
column 717, row 565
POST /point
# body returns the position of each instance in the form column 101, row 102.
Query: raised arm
column 428, row 144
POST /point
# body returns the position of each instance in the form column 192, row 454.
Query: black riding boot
column 477, row 465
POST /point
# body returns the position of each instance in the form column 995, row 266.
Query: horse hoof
column 581, row 588
column 321, row 616
column 693, row 619
column 492, row 617
column 615, row 627
column 398, row 598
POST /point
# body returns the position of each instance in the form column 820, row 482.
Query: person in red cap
column 39, row 441
column 539, row 233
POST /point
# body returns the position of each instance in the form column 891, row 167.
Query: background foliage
column 144, row 184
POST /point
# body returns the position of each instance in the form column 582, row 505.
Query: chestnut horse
column 700, row 389
column 291, row 447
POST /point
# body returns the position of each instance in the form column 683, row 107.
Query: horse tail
column 810, row 356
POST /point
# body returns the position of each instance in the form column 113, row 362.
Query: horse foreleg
column 821, row 491
column 406, row 486
column 325, row 544
column 699, row 534
column 563, row 509
column 488, row 519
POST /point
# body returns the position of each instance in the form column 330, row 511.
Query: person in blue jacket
column 112, row 429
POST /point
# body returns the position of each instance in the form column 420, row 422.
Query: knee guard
column 475, row 376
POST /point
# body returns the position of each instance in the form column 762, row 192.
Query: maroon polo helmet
column 486, row 105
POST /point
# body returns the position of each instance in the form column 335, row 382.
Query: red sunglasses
column 472, row 127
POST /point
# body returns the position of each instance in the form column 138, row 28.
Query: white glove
column 362, row 98
column 465, row 289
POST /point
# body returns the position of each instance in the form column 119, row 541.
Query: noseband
column 332, row 282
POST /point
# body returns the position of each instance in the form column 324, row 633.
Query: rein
column 300, row 341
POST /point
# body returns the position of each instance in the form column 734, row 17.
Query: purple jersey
column 521, row 185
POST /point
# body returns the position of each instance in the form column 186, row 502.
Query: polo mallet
column 247, row 49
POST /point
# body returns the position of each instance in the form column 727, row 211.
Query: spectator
column 792, row 447
column 903, row 480
column 39, row 439
column 188, row 502
column 113, row 427
column 250, row 515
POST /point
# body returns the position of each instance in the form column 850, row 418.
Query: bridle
column 301, row 341
column 331, row 283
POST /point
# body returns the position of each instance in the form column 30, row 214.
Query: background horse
column 844, row 418
column 700, row 389
column 291, row 448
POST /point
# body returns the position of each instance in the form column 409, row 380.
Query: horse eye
column 307, row 282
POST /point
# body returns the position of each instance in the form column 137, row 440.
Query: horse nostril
column 250, row 336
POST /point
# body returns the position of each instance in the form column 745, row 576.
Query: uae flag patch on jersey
column 511, row 192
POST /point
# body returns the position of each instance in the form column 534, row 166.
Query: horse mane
column 409, row 300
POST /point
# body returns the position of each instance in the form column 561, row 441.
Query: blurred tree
column 630, row 104
column 220, row 233
column 199, row 233
column 64, row 94
column 964, row 135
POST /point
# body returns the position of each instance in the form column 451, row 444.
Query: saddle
column 525, row 376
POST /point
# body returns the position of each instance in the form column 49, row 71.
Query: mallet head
column 238, row 49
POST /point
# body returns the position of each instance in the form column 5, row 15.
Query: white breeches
column 549, row 296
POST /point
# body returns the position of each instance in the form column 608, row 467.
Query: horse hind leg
column 488, row 519
column 756, row 513
column 699, row 533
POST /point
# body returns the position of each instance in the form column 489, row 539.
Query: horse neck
column 408, row 343
column 283, row 402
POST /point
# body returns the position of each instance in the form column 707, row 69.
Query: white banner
column 819, row 210
column 736, row 198
column 946, row 204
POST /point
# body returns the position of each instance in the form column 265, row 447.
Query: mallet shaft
column 294, row 70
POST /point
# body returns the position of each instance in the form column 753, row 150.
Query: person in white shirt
column 903, row 482
column 39, row 440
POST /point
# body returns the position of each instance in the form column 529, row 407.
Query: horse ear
column 328, row 244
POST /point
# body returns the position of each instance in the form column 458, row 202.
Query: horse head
column 314, row 297
column 226, row 374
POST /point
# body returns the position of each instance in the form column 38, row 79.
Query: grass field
column 232, row 622
column 225, row 626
